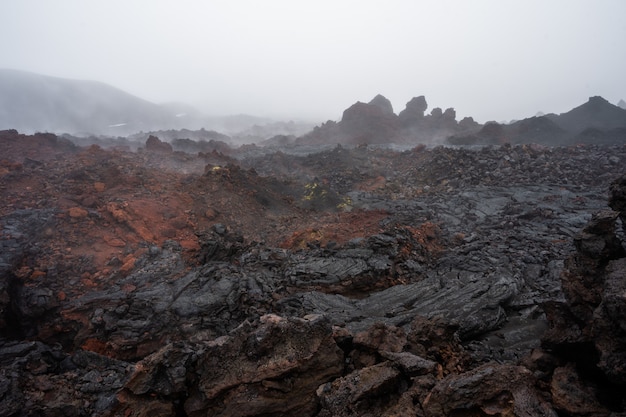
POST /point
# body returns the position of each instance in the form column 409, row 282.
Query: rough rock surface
column 350, row 281
column 587, row 328
column 268, row 368
column 383, row 103
column 414, row 111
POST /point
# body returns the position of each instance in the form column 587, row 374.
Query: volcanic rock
column 382, row 103
column 361, row 392
column 617, row 198
column 369, row 123
column 37, row 379
column 204, row 284
column 272, row 369
column 491, row 389
column 587, row 329
column 154, row 144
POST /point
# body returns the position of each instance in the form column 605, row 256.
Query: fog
column 492, row 60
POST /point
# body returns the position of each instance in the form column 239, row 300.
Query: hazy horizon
column 492, row 60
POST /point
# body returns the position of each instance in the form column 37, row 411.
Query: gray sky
column 493, row 60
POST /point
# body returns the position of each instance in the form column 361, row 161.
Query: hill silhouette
column 32, row 102
column 595, row 113
column 594, row 122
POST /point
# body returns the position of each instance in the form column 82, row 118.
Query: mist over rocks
column 376, row 123
column 355, row 270
column 89, row 112
column 34, row 103
column 596, row 121
column 339, row 281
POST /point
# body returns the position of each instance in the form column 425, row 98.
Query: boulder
column 366, row 391
column 154, row 144
column 368, row 123
column 273, row 367
column 491, row 389
column 587, row 330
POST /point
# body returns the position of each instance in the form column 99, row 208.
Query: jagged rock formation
column 382, row 103
column 352, row 281
column 268, row 368
column 586, row 330
column 155, row 144
column 368, row 123
column 376, row 123
column 595, row 122
column 413, row 112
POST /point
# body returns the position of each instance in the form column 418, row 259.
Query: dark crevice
column 15, row 328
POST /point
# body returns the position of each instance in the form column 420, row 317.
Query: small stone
column 77, row 212
column 210, row 214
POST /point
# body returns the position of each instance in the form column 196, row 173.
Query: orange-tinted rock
column 77, row 212
column 99, row 186
column 210, row 214
column 37, row 274
column 129, row 264
column 115, row 242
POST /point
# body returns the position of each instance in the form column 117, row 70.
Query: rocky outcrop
column 586, row 330
column 272, row 367
column 382, row 103
column 369, row 123
column 376, row 123
column 595, row 122
column 491, row 389
column 413, row 114
column 38, row 379
column 155, row 144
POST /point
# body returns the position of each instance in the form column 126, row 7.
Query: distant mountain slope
column 595, row 122
column 32, row 102
column 596, row 113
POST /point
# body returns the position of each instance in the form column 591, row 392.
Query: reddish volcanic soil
column 110, row 205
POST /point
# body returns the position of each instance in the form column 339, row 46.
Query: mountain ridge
column 35, row 102
column 32, row 102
